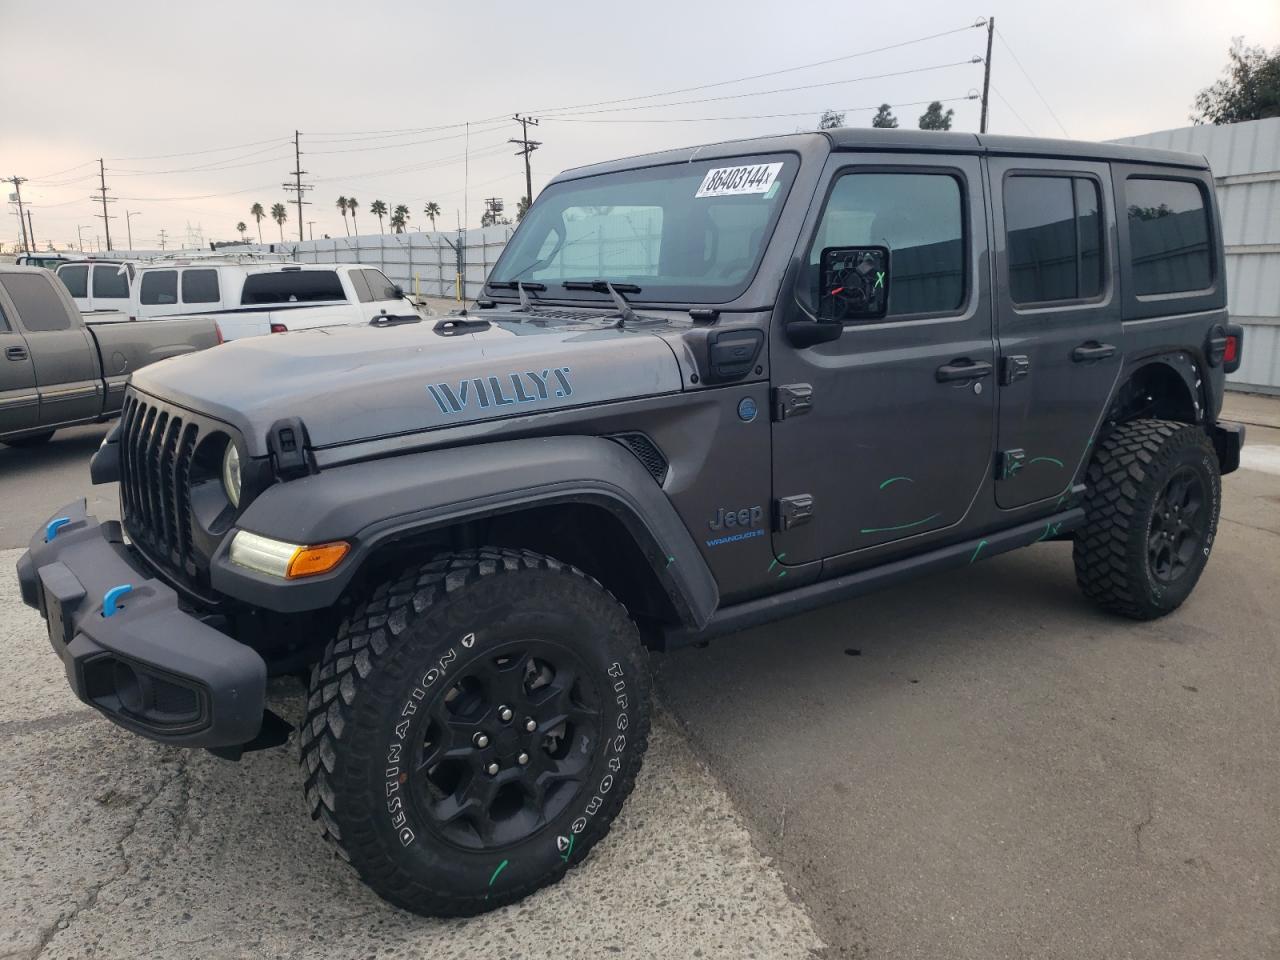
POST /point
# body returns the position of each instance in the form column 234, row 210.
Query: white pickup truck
column 246, row 299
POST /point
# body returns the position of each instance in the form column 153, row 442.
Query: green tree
column 830, row 119
column 934, row 118
column 258, row 214
column 884, row 117
column 342, row 205
column 432, row 210
column 379, row 210
column 279, row 214
column 242, row 228
column 352, row 203
column 1249, row 88
column 522, row 208
column 399, row 218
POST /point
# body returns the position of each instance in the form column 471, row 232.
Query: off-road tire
column 33, row 440
column 1129, row 470
column 397, row 653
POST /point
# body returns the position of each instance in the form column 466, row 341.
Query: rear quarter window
column 1169, row 236
column 292, row 286
column 159, row 288
column 76, row 280
column 39, row 306
column 200, row 286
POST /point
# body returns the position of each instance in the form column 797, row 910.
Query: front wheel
column 1151, row 517
column 474, row 729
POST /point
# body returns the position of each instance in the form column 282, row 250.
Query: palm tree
column 279, row 214
column 352, row 203
column 342, row 205
column 258, row 214
column 242, row 228
column 432, row 210
column 399, row 217
column 379, row 210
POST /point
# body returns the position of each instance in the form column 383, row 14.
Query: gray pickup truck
column 59, row 370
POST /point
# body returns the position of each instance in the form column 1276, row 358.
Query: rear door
column 75, row 277
column 158, row 293
column 19, row 402
column 1058, row 318
column 109, row 287
column 64, row 358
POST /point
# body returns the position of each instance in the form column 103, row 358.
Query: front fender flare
column 373, row 502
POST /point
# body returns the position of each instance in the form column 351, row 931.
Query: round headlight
column 231, row 474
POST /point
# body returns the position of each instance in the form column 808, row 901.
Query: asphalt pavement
column 974, row 765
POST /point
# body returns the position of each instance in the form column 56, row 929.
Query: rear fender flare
column 372, row 503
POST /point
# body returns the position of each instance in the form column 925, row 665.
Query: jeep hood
column 357, row 383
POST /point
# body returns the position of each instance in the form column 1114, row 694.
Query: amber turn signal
column 312, row 561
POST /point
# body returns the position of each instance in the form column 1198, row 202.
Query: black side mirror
column 853, row 284
column 398, row 291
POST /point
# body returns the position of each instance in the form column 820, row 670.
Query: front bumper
column 148, row 665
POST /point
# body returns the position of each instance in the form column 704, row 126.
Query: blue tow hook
column 111, row 599
column 51, row 529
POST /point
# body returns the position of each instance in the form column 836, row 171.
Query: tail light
column 279, row 328
column 1231, row 351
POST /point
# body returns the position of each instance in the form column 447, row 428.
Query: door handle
column 1092, row 350
column 15, row 353
column 963, row 369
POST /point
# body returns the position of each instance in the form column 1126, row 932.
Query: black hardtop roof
column 901, row 141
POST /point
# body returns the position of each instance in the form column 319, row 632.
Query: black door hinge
column 1014, row 368
column 792, row 400
column 1011, row 462
column 794, row 511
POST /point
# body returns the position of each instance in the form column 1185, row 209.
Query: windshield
column 687, row 232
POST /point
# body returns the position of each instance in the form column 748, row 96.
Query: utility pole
column 129, row 226
column 311, row 233
column 106, row 218
column 298, row 186
column 986, row 74
column 17, row 196
column 527, row 147
column 31, row 231
column 162, row 238
column 79, row 238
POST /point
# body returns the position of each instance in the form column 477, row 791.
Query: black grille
column 646, row 452
column 156, row 449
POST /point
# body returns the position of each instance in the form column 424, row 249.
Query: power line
column 1033, row 84
column 192, row 153
column 227, row 163
column 996, row 91
column 58, row 173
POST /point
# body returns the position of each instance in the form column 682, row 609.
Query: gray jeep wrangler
column 704, row 389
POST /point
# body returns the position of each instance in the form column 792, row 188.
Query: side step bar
column 752, row 613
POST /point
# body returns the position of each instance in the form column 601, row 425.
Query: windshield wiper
column 516, row 284
column 614, row 290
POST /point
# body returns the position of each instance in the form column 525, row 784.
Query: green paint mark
column 981, row 544
column 502, row 866
column 568, row 850
column 776, row 560
column 782, row 574
column 879, row 278
column 895, row 480
column 670, row 561
column 1054, row 460
column 901, row 526
column 1050, row 530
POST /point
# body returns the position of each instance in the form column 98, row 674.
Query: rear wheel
column 31, row 440
column 474, row 729
column 1151, row 517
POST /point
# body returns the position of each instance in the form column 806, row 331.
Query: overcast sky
column 226, row 84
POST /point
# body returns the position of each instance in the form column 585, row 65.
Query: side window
column 76, row 280
column 380, row 286
column 1168, row 236
column 919, row 217
column 360, row 283
column 1053, row 238
column 159, row 287
column 200, row 286
column 4, row 322
column 110, row 281
column 39, row 307
column 292, row 286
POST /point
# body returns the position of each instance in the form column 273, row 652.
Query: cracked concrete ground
column 111, row 846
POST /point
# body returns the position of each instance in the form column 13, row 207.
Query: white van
column 98, row 286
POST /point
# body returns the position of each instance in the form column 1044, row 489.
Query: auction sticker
column 731, row 181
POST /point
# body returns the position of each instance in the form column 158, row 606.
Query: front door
column 895, row 444
column 1058, row 320
column 19, row 402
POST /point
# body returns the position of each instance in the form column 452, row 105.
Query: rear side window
column 919, row 217
column 76, row 280
column 1168, row 236
column 159, row 287
column 380, row 287
column 39, row 306
column 200, row 286
column 1054, row 239
column 292, row 286
column 109, row 280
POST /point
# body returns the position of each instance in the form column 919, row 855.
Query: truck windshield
column 687, row 232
